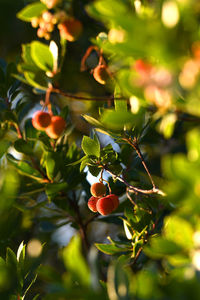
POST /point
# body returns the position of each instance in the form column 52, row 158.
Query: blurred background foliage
column 51, row 245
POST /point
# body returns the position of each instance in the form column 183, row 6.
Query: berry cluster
column 52, row 125
column 45, row 23
column 69, row 28
column 101, row 203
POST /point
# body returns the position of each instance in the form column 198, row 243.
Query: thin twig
column 19, row 133
column 92, row 98
column 129, row 197
column 137, row 149
column 47, row 99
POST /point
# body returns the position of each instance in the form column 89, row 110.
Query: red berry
column 98, row 189
column 92, row 202
column 56, row 127
column 70, row 29
column 142, row 67
column 41, row 120
column 105, row 205
column 100, row 74
column 115, row 200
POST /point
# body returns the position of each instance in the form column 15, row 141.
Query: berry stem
column 110, row 192
column 47, row 99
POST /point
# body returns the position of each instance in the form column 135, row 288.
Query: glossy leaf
column 90, row 146
column 42, row 56
column 31, row 11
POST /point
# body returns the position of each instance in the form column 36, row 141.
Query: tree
column 108, row 89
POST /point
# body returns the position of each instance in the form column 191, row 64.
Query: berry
column 92, row 202
column 41, row 120
column 50, row 3
column 105, row 205
column 98, row 189
column 115, row 200
column 70, row 29
column 142, row 67
column 40, row 32
column 56, row 127
column 101, row 74
column 35, row 22
column 47, row 16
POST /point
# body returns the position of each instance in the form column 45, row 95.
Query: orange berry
column 101, row 74
column 92, row 202
column 40, row 32
column 47, row 16
column 35, row 22
column 50, row 3
column 56, row 127
column 98, row 189
column 105, row 205
column 41, row 120
column 70, row 29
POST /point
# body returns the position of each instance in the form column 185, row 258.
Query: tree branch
column 134, row 189
column 95, row 98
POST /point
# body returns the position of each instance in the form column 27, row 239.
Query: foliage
column 134, row 127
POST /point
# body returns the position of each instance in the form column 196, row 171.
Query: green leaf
column 193, row 144
column 36, row 297
column 4, row 145
column 23, row 146
column 42, row 56
column 78, row 161
column 111, row 249
column 51, row 165
column 21, row 78
column 94, row 170
column 52, row 189
column 24, row 168
column 11, row 259
column 109, row 8
column 75, row 263
column 37, row 79
column 160, row 247
column 31, row 11
column 118, row 119
column 179, row 231
column 92, row 121
column 84, row 163
column 117, row 280
column 90, row 146
column 26, row 54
